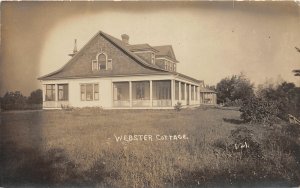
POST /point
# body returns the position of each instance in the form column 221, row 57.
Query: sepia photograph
column 150, row 94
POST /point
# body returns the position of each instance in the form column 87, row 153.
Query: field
column 212, row 147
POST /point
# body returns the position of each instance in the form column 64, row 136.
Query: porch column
column 56, row 96
column 195, row 101
column 44, row 92
column 179, row 90
column 190, row 93
column 130, row 93
column 185, row 95
column 198, row 94
column 172, row 93
column 56, row 92
column 151, row 103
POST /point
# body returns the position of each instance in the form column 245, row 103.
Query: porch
column 154, row 94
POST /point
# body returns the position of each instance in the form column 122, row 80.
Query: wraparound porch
column 154, row 94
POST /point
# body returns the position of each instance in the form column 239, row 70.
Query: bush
column 178, row 106
column 13, row 101
column 36, row 97
column 259, row 110
column 235, row 103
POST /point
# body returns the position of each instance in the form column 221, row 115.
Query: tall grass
column 79, row 148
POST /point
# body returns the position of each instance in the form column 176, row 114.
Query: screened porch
column 142, row 94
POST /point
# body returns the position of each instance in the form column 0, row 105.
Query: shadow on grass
column 233, row 121
column 29, row 167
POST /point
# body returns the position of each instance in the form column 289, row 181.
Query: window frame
column 96, row 63
column 152, row 58
column 67, row 95
column 52, row 91
column 177, row 83
column 93, row 92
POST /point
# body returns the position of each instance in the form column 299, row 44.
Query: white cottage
column 113, row 74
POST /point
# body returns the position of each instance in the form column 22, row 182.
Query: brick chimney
column 125, row 38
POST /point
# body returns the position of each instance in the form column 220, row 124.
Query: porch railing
column 162, row 103
column 121, row 103
column 55, row 104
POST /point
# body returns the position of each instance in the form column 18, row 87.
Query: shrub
column 244, row 143
column 178, row 106
column 36, row 97
column 259, row 110
column 13, row 101
column 235, row 103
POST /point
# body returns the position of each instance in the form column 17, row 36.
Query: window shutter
column 109, row 64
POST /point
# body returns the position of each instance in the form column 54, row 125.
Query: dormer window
column 170, row 66
column 152, row 58
column 101, row 62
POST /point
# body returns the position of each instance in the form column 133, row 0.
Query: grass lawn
column 79, row 148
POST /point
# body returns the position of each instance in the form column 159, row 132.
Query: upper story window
column 152, row 58
column 170, row 65
column 102, row 62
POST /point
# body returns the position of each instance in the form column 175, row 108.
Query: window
column 176, row 90
column 50, row 92
column 182, row 91
column 109, row 64
column 63, row 92
column 102, row 61
column 121, row 91
column 142, row 90
column 161, row 90
column 82, row 91
column 94, row 65
column 89, row 92
column 96, row 91
column 174, row 68
column 152, row 58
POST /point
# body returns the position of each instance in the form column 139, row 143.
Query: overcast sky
column 211, row 40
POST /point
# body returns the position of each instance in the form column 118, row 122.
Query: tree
column 259, row 110
column 225, row 88
column 286, row 95
column 243, row 88
column 13, row 101
column 297, row 71
column 234, row 88
column 36, row 97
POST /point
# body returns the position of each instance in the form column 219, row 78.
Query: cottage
column 111, row 73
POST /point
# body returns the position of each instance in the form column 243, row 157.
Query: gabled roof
column 161, row 51
column 165, row 51
column 124, row 47
column 206, row 90
column 140, row 47
column 118, row 43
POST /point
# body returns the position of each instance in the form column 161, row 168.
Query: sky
column 211, row 40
